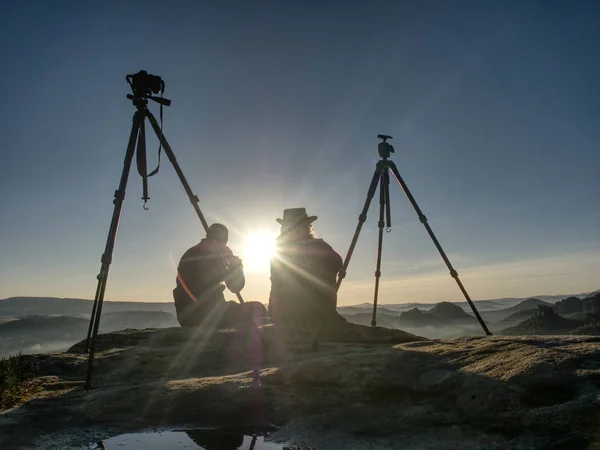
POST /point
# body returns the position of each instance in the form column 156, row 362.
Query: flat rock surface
column 364, row 388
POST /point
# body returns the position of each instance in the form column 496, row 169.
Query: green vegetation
column 16, row 380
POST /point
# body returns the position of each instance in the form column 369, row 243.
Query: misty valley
column 42, row 325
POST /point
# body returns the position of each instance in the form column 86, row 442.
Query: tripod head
column 143, row 85
column 383, row 147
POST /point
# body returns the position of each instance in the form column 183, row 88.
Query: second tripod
column 381, row 177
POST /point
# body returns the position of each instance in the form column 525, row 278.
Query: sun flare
column 258, row 250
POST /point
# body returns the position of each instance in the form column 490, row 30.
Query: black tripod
column 143, row 85
column 382, row 177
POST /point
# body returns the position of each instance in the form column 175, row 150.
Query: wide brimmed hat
column 295, row 216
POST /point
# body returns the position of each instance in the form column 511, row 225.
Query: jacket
column 303, row 279
column 204, row 267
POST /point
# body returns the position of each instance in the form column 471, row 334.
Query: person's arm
column 275, row 292
column 235, row 280
column 331, row 259
column 332, row 264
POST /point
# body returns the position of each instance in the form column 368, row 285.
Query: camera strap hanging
column 141, row 159
column 144, row 87
column 155, row 171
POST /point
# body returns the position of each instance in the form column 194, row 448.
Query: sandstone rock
column 364, row 388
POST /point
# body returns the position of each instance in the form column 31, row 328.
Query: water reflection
column 190, row 440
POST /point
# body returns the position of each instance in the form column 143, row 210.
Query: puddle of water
column 190, row 440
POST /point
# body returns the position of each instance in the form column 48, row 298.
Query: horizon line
column 362, row 303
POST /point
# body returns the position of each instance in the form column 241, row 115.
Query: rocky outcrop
column 368, row 388
column 501, row 314
column 519, row 316
column 569, row 305
column 544, row 321
column 415, row 318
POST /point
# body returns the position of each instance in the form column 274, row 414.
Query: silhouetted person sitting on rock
column 202, row 270
column 303, row 274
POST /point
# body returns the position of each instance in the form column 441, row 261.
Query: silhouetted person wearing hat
column 202, row 270
column 303, row 274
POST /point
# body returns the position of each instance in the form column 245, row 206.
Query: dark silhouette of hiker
column 202, row 270
column 303, row 274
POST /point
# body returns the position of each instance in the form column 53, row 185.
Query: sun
column 258, row 250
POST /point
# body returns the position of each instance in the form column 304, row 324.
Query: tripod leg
column 93, row 316
column 453, row 272
column 361, row 220
column 193, row 198
column 110, row 244
column 388, row 210
column 141, row 161
column 383, row 196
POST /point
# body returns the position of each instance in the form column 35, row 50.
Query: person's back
column 303, row 273
column 200, row 274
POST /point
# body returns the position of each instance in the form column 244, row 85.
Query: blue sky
column 493, row 106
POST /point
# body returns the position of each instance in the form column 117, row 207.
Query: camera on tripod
column 145, row 84
column 384, row 148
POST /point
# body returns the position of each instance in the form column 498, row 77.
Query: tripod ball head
column 383, row 147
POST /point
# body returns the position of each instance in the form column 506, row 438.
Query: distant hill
column 591, row 304
column 41, row 334
column 383, row 320
column 530, row 303
column 501, row 314
column 415, row 321
column 113, row 321
column 38, row 334
column 447, row 310
column 519, row 316
column 504, row 303
column 569, row 305
column 33, row 324
column 444, row 319
column 592, row 328
column 416, row 318
column 544, row 321
column 489, row 305
column 444, row 314
column 52, row 306
column 573, row 308
column 588, row 305
column 25, row 306
column 349, row 310
column 591, row 310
